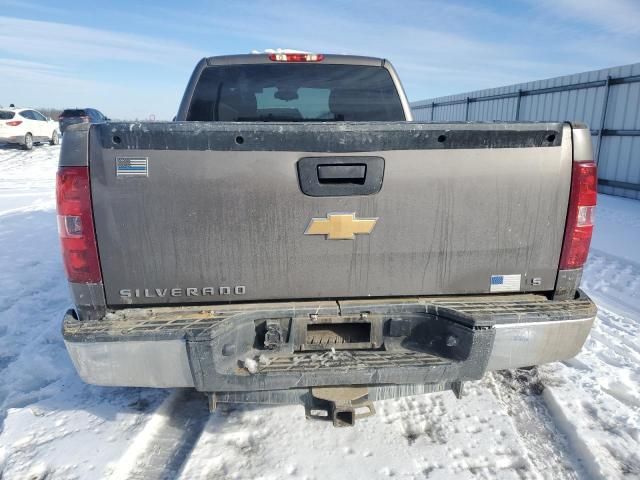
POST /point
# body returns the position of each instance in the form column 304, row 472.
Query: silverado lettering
column 179, row 292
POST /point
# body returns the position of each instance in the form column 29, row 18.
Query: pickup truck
column 294, row 237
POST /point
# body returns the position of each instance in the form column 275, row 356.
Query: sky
column 132, row 59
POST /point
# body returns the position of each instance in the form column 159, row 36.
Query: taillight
column 580, row 216
column 14, row 123
column 296, row 57
column 75, row 225
column 84, row 119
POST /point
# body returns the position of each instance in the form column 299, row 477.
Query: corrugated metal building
column 607, row 100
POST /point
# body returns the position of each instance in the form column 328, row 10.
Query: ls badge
column 341, row 226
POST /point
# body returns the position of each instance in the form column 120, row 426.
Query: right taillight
column 75, row 225
column 580, row 215
column 14, row 123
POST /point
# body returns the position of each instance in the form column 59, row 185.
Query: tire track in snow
column 549, row 448
column 163, row 446
column 593, row 398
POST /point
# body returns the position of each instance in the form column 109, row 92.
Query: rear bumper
column 11, row 139
column 419, row 341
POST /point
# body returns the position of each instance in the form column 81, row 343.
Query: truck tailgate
column 214, row 212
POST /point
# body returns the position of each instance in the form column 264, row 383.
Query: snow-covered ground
column 577, row 419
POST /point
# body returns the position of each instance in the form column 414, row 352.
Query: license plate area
column 339, row 333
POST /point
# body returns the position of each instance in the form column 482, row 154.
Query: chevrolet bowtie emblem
column 341, row 226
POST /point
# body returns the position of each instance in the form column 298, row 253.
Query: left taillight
column 75, row 225
column 580, row 215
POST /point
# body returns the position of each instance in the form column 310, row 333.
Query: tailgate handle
column 347, row 173
column 340, row 176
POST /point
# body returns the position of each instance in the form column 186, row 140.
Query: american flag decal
column 505, row 283
column 129, row 166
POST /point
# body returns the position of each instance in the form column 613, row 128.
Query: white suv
column 25, row 127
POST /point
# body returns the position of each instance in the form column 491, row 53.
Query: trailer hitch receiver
column 342, row 405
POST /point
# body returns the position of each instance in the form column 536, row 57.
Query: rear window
column 4, row 115
column 295, row 93
column 74, row 113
